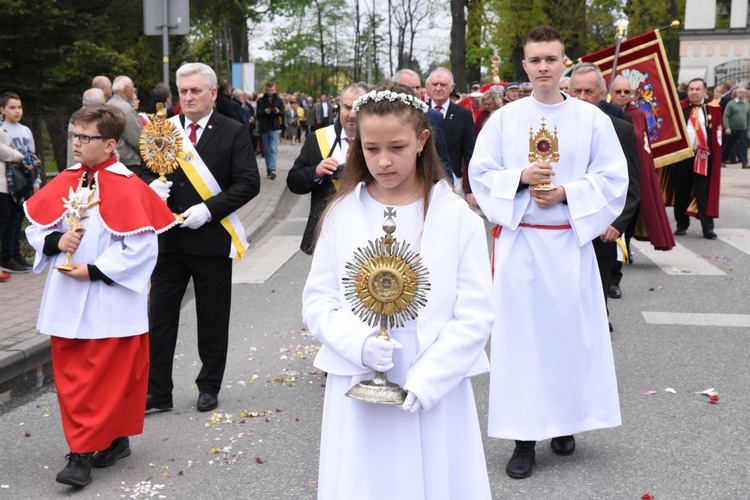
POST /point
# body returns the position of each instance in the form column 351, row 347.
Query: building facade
column 715, row 41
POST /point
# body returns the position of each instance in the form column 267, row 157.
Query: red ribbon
column 499, row 229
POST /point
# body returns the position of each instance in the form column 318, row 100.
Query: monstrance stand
column 76, row 205
column 543, row 148
column 386, row 284
column 161, row 147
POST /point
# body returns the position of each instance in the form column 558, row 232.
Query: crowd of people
column 564, row 201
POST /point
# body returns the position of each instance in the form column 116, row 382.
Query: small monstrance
column 543, row 148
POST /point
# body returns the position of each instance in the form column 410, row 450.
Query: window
column 723, row 13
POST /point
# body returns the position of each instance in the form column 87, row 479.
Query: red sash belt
column 498, row 229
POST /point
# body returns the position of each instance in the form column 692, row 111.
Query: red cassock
column 102, row 382
column 653, row 224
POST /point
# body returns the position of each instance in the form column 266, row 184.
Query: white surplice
column 553, row 372
column 84, row 309
column 371, row 451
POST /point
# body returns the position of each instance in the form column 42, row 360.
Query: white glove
column 378, row 354
column 161, row 188
column 196, row 216
column 412, row 404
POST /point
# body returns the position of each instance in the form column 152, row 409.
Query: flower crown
column 379, row 95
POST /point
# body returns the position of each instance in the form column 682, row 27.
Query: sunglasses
column 619, row 92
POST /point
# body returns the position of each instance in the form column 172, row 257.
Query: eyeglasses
column 85, row 139
column 619, row 92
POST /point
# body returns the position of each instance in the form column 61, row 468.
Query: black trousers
column 687, row 183
column 212, row 281
column 606, row 257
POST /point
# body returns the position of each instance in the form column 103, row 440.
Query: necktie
column 439, row 108
column 193, row 136
column 349, row 149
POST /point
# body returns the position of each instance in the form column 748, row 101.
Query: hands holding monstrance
column 386, row 284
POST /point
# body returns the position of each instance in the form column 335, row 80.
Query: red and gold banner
column 643, row 62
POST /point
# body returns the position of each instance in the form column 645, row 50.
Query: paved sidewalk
column 22, row 348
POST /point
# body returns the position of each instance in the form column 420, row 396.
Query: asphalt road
column 264, row 444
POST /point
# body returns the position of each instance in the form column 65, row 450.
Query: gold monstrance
column 386, row 284
column 543, row 149
column 161, row 146
column 76, row 205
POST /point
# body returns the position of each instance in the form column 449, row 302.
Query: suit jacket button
column 179, row 207
column 182, row 184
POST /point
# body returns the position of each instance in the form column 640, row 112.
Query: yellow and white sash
column 326, row 138
column 204, row 182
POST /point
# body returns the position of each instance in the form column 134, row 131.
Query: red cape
column 467, row 102
column 653, row 224
column 127, row 204
column 714, row 183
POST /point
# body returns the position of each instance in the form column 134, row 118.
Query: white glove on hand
column 412, row 404
column 378, row 354
column 196, row 216
column 161, row 188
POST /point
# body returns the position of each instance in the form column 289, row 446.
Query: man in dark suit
column 587, row 84
column 458, row 126
column 321, row 161
column 220, row 176
column 411, row 79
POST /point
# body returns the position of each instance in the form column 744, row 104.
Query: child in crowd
column 95, row 309
column 21, row 139
column 431, row 446
column 8, row 156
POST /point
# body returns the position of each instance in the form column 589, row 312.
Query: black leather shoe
column 680, row 231
column 524, row 456
column 710, row 235
column 78, row 471
column 207, row 401
column 614, row 292
column 120, row 448
column 563, row 445
column 160, row 404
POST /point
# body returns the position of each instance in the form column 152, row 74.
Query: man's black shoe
column 614, row 292
column 19, row 258
column 12, row 266
column 524, row 456
column 207, row 401
column 563, row 445
column 160, row 404
column 78, row 471
column 710, row 235
column 681, row 231
column 272, row 175
column 120, row 448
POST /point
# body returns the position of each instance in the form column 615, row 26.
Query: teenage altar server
column 553, row 372
column 101, row 245
column 431, row 446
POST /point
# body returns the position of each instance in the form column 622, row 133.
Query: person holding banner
column 699, row 177
column 551, row 194
column 218, row 174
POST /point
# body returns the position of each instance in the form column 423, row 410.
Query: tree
column 647, row 16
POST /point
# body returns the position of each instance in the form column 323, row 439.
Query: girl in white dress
column 430, row 447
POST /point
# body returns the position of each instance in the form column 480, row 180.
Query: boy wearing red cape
column 96, row 224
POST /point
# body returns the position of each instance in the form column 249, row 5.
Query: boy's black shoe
column 120, row 448
column 524, row 456
column 78, row 471
column 12, row 266
column 563, row 445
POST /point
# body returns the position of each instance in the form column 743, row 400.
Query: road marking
column 738, row 238
column 265, row 259
column 696, row 319
column 679, row 261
